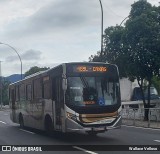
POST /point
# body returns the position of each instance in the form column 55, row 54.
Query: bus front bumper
column 73, row 126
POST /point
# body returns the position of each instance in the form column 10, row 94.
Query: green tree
column 5, row 92
column 5, row 97
column 35, row 69
column 156, row 83
column 141, row 40
column 140, row 7
column 113, row 49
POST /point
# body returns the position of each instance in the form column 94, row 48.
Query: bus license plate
column 99, row 129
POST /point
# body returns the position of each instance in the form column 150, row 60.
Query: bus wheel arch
column 48, row 124
column 21, row 120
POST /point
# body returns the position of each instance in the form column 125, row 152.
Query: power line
column 113, row 11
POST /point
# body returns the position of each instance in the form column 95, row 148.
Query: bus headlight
column 71, row 116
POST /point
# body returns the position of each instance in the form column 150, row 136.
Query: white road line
column 26, row 131
column 84, row 150
column 142, row 127
column 3, row 122
column 157, row 140
column 6, row 114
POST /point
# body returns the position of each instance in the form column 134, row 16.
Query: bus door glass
column 57, row 96
column 13, row 99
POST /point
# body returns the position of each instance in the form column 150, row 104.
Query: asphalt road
column 114, row 140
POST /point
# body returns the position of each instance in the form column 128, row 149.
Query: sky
column 49, row 32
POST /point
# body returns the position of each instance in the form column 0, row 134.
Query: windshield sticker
column 108, row 102
column 77, row 98
column 91, row 97
column 101, row 101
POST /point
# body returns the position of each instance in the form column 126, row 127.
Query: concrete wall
column 127, row 87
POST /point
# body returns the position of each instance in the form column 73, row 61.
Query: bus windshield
column 92, row 91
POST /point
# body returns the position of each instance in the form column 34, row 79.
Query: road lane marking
column 157, row 140
column 142, row 127
column 3, row 122
column 84, row 150
column 6, row 114
column 26, row 131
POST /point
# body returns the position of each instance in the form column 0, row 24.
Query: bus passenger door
column 13, row 105
column 57, row 97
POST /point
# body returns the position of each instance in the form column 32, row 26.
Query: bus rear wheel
column 21, row 121
column 48, row 125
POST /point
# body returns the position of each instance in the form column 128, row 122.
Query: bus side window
column 12, row 92
column 17, row 93
column 37, row 88
column 46, row 90
column 29, row 92
column 22, row 92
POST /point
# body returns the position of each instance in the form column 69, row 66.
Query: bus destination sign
column 90, row 69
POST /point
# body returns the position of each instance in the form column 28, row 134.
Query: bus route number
column 82, row 69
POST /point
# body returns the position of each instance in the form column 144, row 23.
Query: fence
column 135, row 117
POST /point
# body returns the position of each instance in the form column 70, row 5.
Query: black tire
column 48, row 126
column 21, row 121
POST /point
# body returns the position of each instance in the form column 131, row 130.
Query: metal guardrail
column 6, row 107
column 135, row 117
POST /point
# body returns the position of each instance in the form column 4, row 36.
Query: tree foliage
column 139, row 8
column 5, row 98
column 156, row 83
column 35, row 69
column 141, row 41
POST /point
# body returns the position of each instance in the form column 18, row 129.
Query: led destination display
column 89, row 69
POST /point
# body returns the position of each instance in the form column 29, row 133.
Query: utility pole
column 1, row 83
column 101, row 53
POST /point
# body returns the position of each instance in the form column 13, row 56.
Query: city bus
column 71, row 97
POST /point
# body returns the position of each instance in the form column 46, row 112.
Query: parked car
column 137, row 94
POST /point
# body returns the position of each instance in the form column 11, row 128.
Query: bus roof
column 42, row 72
